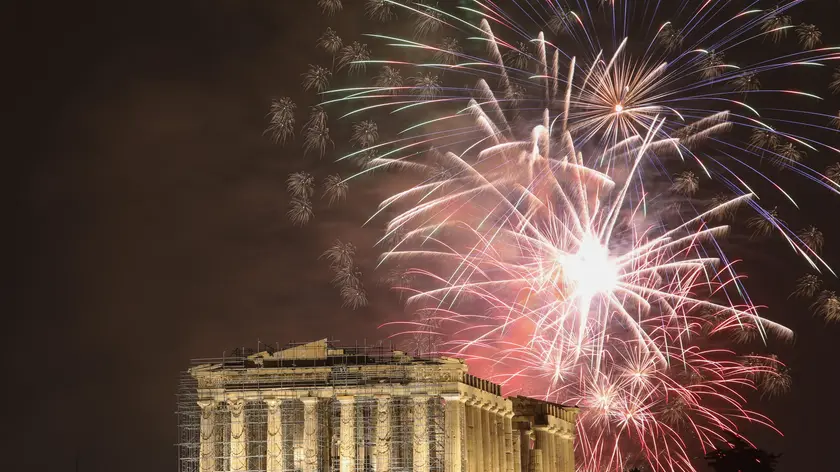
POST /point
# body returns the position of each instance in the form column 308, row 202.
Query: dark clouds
column 153, row 226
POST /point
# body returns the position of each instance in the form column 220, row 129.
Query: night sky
column 152, row 229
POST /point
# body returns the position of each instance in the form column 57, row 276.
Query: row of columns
column 347, row 441
column 479, row 437
column 553, row 450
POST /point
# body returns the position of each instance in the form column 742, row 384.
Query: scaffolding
column 370, row 382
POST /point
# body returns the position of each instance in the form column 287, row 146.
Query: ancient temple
column 318, row 408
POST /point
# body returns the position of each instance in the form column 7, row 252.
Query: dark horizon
column 152, row 229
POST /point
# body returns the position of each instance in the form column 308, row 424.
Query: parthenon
column 315, row 407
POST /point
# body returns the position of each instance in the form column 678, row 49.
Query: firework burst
column 537, row 239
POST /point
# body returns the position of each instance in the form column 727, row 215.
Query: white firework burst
column 806, row 286
column 775, row 381
column 519, row 57
column 775, row 24
column 365, row 133
column 426, row 86
column 282, row 119
column 834, row 85
column 316, row 77
column 809, row 36
column 560, row 22
column 335, row 188
column 786, row 155
column 722, row 211
column 713, row 64
column 670, row 38
column 300, row 211
column 827, row 306
column 340, row 255
column 380, row 10
column 686, row 183
column 330, row 42
column 353, row 296
column 353, row 57
column 448, row 51
column 300, row 185
column 746, row 82
column 330, row 7
column 388, row 77
column 764, row 225
column 316, row 138
column 832, row 173
column 426, row 20
column 812, row 237
column 317, row 117
column 764, row 139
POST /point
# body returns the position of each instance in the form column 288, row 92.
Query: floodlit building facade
column 318, row 408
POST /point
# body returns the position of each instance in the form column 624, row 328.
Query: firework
column 807, row 286
column 812, row 237
column 776, row 24
column 330, row 7
column 809, row 36
column 686, row 183
column 353, row 57
column 580, row 292
column 380, row 10
column 282, row 121
column 346, row 276
column 834, row 86
column 317, row 78
column 300, row 211
column 335, row 188
column 300, row 185
column 365, row 133
column 389, row 78
column 448, row 51
column 538, row 242
column 827, row 306
column 340, row 255
column 832, row 172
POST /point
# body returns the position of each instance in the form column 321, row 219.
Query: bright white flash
column 590, row 270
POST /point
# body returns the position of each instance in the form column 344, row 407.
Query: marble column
column 498, row 439
column 527, row 441
column 559, row 450
column 486, row 439
column 548, row 451
column 382, row 447
column 420, row 426
column 453, row 435
column 347, row 434
column 470, row 434
column 310, row 434
column 569, row 443
column 516, row 448
column 478, row 438
column 274, row 436
column 238, row 436
column 488, row 425
column 562, row 453
column 207, row 447
column 536, row 461
column 544, row 446
column 509, row 452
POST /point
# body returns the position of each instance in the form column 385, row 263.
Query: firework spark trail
column 537, row 249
